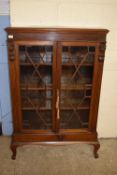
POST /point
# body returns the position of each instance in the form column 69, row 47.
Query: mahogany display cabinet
column 55, row 76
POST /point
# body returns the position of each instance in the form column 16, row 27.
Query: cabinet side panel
column 13, row 85
column 96, row 87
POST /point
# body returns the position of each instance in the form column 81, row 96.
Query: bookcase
column 55, row 76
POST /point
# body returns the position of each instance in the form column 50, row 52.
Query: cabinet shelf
column 31, row 87
column 76, row 87
column 64, row 125
column 35, row 64
column 50, row 64
column 48, row 109
column 63, row 87
column 78, row 108
column 83, row 107
column 33, row 109
column 77, row 64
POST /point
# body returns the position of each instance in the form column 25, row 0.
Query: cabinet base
column 20, row 140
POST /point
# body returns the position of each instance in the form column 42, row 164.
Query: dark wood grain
column 57, row 37
column 58, row 34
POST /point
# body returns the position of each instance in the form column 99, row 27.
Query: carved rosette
column 11, row 50
column 102, row 48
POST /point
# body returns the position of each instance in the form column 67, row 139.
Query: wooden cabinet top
column 57, row 34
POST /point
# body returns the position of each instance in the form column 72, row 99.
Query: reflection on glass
column 76, row 86
column 36, row 54
column 36, row 86
column 37, row 119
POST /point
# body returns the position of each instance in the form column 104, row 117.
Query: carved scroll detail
column 11, row 50
column 102, row 48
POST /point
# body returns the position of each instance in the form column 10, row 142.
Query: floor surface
column 74, row 159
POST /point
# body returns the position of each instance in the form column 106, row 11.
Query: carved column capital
column 11, row 50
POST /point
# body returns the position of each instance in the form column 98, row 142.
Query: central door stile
column 54, row 87
column 58, row 85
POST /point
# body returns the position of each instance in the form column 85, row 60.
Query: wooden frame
column 57, row 38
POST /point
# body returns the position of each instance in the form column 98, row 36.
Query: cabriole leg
column 14, row 151
column 96, row 148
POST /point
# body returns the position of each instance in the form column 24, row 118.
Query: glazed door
column 36, row 62
column 75, row 84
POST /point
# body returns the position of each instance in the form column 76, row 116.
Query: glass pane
column 74, row 120
column 36, row 54
column 36, row 86
column 37, row 120
column 76, row 86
